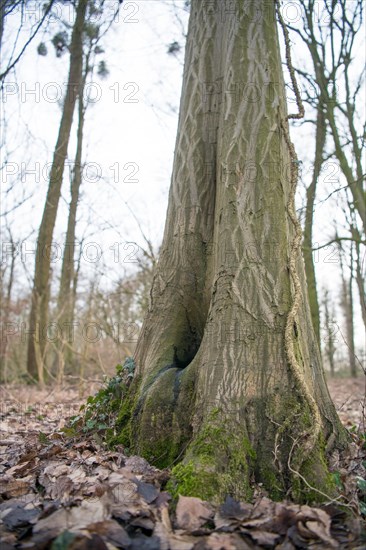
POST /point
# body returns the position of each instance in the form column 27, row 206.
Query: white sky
column 129, row 135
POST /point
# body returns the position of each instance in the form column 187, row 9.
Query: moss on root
column 315, row 482
column 155, row 427
column 287, row 465
column 122, row 432
column 155, row 422
column 216, row 464
column 220, row 459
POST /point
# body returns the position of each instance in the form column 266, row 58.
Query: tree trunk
column 350, row 327
column 3, row 6
column 347, row 304
column 325, row 80
column 66, row 297
column 360, row 279
column 309, row 221
column 40, row 293
column 6, row 314
column 213, row 385
column 329, row 328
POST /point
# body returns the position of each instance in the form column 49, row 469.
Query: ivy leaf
column 63, row 541
column 90, row 424
column 361, row 484
column 337, row 480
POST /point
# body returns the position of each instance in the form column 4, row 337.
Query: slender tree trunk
column 350, row 327
column 354, row 183
column 3, row 6
column 65, row 297
column 214, row 387
column 347, row 305
column 40, row 293
column 360, row 278
column 6, row 314
column 361, row 287
column 329, row 328
column 355, row 178
column 309, row 221
column 87, row 319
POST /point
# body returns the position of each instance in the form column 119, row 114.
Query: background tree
column 347, row 307
column 331, row 50
column 330, row 329
column 320, row 139
column 332, row 88
column 7, row 270
column 67, row 294
column 40, row 292
column 228, row 378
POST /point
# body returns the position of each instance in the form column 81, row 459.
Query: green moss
column 290, row 418
column 320, row 484
column 216, row 464
column 250, row 452
column 121, row 434
column 161, row 428
column 153, row 420
column 155, row 427
column 189, row 479
column 272, row 481
column 220, row 459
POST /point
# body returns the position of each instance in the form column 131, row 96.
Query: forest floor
column 62, row 493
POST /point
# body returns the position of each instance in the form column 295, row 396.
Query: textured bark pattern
column 222, row 291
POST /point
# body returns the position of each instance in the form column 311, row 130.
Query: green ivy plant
column 361, row 482
column 97, row 415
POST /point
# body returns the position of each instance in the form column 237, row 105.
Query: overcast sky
column 129, row 140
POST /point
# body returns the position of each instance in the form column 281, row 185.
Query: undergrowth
column 361, row 481
column 97, row 416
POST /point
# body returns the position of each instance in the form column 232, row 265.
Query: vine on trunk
column 313, row 434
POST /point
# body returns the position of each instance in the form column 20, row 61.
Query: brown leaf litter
column 59, row 494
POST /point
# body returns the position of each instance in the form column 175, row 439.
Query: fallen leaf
column 19, row 516
column 192, row 513
column 14, row 487
column 75, row 517
column 148, row 492
column 111, row 531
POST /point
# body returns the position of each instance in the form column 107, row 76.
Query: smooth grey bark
column 213, row 387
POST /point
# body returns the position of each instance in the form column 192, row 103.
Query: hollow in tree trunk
column 221, row 389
